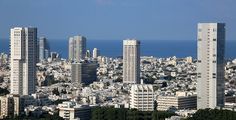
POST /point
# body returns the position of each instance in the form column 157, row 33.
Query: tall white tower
column 210, row 66
column 96, row 53
column 131, row 61
column 23, row 60
column 77, row 48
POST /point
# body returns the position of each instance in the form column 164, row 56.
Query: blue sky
column 117, row 19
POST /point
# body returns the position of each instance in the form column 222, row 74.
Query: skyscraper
column 210, row 66
column 131, row 61
column 77, row 48
column 23, row 60
column 44, row 49
column 96, row 53
column 88, row 54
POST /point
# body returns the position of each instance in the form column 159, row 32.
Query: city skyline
column 153, row 20
column 171, row 84
column 117, row 59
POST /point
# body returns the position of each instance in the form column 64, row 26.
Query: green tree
column 110, row 113
column 3, row 91
column 213, row 114
column 154, row 115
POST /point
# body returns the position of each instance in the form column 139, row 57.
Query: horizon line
column 124, row 39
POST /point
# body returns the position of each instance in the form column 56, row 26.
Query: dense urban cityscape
column 36, row 82
column 117, row 60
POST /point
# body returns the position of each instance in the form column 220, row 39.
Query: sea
column 113, row 48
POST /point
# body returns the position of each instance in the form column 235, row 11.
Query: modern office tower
column 84, row 73
column 142, row 97
column 23, row 60
column 27, row 100
column 9, row 106
column 131, row 61
column 72, row 111
column 44, row 50
column 77, row 48
column 55, row 56
column 210, row 66
column 96, row 53
column 71, row 55
column 37, row 52
column 88, row 54
column 179, row 101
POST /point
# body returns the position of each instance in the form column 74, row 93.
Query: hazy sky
column 117, row 19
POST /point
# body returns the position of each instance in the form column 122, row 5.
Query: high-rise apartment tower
column 131, row 61
column 210, row 66
column 23, row 60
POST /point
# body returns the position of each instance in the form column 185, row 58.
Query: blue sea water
column 113, row 48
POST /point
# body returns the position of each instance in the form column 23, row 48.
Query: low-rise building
column 230, row 99
column 71, row 111
column 178, row 102
column 229, row 106
column 142, row 97
column 41, row 99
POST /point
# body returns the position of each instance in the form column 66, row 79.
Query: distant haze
column 113, row 48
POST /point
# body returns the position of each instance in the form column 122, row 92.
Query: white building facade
column 23, row 60
column 96, row 53
column 176, row 102
column 210, row 66
column 72, row 111
column 131, row 61
column 9, row 106
column 77, row 48
column 142, row 97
